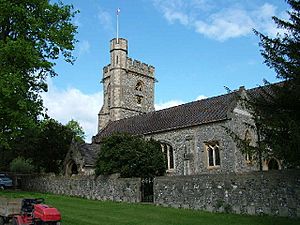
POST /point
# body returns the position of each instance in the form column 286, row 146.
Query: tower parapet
column 139, row 67
column 119, row 44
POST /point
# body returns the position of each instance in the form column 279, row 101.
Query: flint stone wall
column 102, row 188
column 256, row 193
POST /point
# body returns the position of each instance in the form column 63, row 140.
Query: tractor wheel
column 1, row 220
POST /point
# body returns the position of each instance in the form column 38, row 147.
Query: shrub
column 131, row 156
column 21, row 165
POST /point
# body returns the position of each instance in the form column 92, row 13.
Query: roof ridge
column 195, row 101
column 173, row 107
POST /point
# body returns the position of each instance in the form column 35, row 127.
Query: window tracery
column 213, row 154
column 169, row 156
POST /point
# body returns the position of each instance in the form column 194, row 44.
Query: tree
column 277, row 105
column 253, row 151
column 46, row 146
column 131, row 156
column 52, row 146
column 78, row 133
column 33, row 34
column 21, row 165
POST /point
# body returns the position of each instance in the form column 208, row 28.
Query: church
column 193, row 136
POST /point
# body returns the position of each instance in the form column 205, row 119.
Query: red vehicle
column 33, row 212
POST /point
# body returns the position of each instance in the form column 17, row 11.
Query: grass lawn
column 77, row 211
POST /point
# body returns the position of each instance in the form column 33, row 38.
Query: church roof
column 191, row 114
column 88, row 152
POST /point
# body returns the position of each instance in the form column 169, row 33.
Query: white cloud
column 204, row 5
column 173, row 11
column 64, row 105
column 173, row 16
column 84, row 47
column 224, row 25
column 200, row 97
column 264, row 19
column 105, row 19
column 164, row 105
column 220, row 22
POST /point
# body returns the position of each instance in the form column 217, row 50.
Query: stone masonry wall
column 102, row 188
column 255, row 193
column 192, row 141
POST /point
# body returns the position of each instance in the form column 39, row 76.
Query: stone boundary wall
column 256, row 193
column 102, row 188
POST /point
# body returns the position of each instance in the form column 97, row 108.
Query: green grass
column 77, row 211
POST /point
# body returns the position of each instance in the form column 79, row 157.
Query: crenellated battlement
column 140, row 67
column 133, row 66
column 128, row 85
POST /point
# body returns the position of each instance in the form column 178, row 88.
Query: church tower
column 128, row 86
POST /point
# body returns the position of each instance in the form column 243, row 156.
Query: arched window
column 248, row 139
column 273, row 164
column 74, row 169
column 210, row 152
column 139, row 86
column 71, row 168
column 169, row 155
column 217, row 156
column 213, row 154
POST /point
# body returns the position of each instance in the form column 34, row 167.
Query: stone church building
column 192, row 136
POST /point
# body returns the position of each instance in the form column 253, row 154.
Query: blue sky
column 196, row 46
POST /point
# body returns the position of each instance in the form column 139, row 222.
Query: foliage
column 255, row 151
column 21, row 165
column 33, row 34
column 113, row 213
column 52, row 146
column 47, row 145
column 77, row 130
column 276, row 107
column 131, row 156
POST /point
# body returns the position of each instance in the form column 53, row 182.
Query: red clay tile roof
column 194, row 113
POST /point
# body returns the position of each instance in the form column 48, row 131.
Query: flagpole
column 118, row 11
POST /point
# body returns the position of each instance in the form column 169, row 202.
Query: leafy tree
column 276, row 107
column 24, row 146
column 33, row 34
column 21, row 165
column 255, row 151
column 46, row 144
column 131, row 156
column 52, row 146
column 77, row 130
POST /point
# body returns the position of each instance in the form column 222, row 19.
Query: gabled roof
column 191, row 114
column 90, row 153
